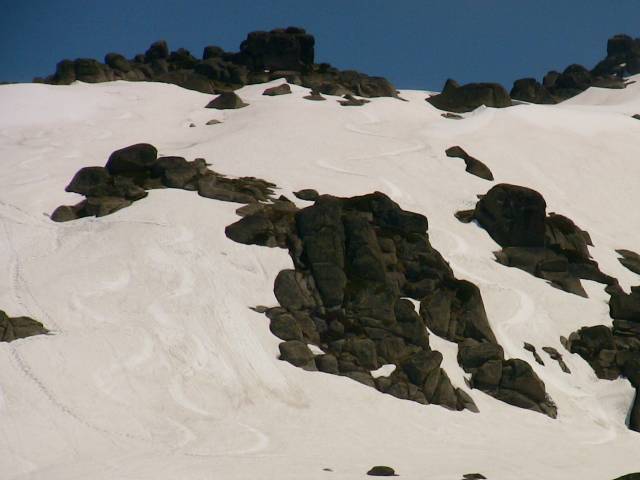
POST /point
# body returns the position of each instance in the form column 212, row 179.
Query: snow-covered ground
column 157, row 369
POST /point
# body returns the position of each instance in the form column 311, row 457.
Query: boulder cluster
column 623, row 58
column 359, row 262
column 549, row 246
column 13, row 328
column 614, row 351
column 281, row 53
column 552, row 247
column 131, row 171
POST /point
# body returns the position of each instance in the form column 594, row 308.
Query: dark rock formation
column 532, row 91
column 629, row 259
column 13, row 328
column 459, row 99
column 451, row 116
column 550, row 246
column 314, row 95
column 623, row 58
column 226, row 101
column 636, row 116
column 474, row 166
column 131, row 171
column 557, row 356
column 382, row 471
column 351, row 101
column 308, row 194
column 530, row 348
column 283, row 89
column 264, row 56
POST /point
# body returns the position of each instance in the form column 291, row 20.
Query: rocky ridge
column 264, row 56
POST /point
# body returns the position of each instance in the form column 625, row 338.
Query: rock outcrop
column 549, row 246
column 281, row 53
column 623, row 58
column 357, row 260
column 131, row 171
column 460, row 99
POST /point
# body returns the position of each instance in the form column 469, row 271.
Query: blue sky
column 415, row 44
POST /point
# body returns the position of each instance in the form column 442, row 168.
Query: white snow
column 157, row 369
column 383, row 371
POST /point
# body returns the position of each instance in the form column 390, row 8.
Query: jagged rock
column 474, row 166
column 133, row 159
column 13, row 328
column 629, row 259
column 226, row 101
column 382, row 471
column 634, row 417
column 285, row 327
column 283, row 89
column 460, row 99
column 307, row 194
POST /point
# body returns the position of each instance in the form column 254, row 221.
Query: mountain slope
column 157, row 368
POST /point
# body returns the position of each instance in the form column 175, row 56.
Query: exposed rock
column 474, row 166
column 473, row 476
column 451, row 116
column 134, row 159
column 213, row 122
column 551, row 246
column 629, row 259
column 636, row 116
column 296, row 353
column 283, row 89
column 264, row 56
column 557, row 356
column 530, row 90
column 532, row 349
column 280, row 49
column 308, row 194
column 314, row 95
column 382, row 471
column 226, row 101
column 13, row 328
column 459, row 99
column 351, row 101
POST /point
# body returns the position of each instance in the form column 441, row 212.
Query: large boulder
column 281, row 49
column 513, row 216
column 468, row 97
column 136, row 158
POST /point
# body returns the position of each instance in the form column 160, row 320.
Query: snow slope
column 157, row 368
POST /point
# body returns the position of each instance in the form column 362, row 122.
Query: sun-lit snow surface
column 157, row 368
